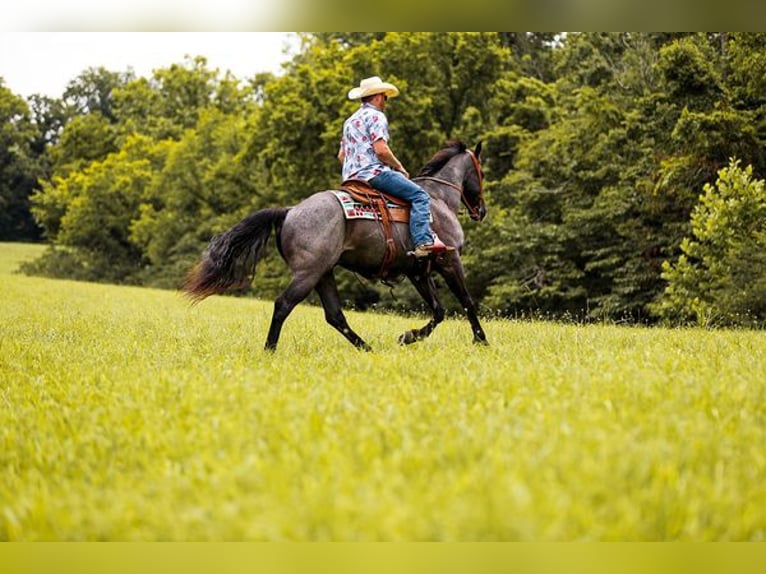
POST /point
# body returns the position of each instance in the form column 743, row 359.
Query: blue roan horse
column 313, row 237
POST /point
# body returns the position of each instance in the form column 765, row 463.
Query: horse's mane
column 441, row 157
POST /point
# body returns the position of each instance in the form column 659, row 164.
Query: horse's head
column 473, row 186
column 459, row 168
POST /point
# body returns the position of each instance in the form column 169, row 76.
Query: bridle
column 473, row 211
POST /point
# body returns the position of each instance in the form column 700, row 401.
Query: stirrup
column 427, row 249
column 422, row 251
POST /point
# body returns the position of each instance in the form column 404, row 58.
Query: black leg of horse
column 333, row 313
column 425, row 285
column 296, row 291
column 453, row 275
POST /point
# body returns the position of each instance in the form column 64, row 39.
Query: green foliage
column 689, row 72
column 138, row 105
column 532, row 52
column 347, row 39
column 640, row 123
column 18, row 167
column 184, row 90
column 90, row 212
column 720, row 277
column 127, row 415
column 520, row 106
column 203, row 187
column 574, row 208
column 85, row 139
column 717, row 135
column 49, row 116
column 173, row 99
column 297, row 132
column 92, row 92
column 589, row 58
column 747, row 67
column 137, row 200
column 596, row 148
column 444, row 75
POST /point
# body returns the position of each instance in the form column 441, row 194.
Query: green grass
column 127, row 415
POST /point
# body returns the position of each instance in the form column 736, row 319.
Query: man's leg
column 396, row 184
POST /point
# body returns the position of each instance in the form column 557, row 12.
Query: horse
column 313, row 237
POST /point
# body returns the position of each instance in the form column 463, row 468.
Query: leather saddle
column 387, row 206
column 390, row 209
column 365, row 193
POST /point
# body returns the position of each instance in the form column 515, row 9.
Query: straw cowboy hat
column 372, row 86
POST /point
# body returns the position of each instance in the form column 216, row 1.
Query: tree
column 532, row 52
column 447, row 79
column 172, row 100
column 92, row 92
column 89, row 214
column 85, row 139
column 49, row 115
column 18, row 168
column 205, row 186
column 345, row 39
column 79, row 128
column 185, row 89
column 137, row 200
column 597, row 145
column 295, row 134
column 600, row 195
column 720, row 277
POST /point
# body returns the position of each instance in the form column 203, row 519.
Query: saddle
column 364, row 193
column 387, row 209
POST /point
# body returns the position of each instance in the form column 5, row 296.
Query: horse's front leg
column 424, row 283
column 455, row 278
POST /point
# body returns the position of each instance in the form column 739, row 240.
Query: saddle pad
column 353, row 209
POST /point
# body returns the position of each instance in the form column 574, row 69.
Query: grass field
column 127, row 415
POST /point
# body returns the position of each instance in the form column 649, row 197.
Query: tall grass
column 127, row 415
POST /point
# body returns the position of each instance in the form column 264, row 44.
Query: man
column 365, row 155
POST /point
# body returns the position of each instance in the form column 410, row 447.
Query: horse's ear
column 477, row 151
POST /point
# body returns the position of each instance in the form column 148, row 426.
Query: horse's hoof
column 407, row 338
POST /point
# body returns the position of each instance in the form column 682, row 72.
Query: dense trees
column 18, row 167
column 598, row 148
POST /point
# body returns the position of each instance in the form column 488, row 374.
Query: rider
column 365, row 155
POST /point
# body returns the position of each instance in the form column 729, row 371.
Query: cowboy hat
column 372, row 86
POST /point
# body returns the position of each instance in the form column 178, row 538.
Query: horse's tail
column 231, row 257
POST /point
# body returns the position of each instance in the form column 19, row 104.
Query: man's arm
column 385, row 155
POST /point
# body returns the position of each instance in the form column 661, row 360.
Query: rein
column 474, row 211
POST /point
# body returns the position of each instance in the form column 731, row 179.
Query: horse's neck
column 452, row 173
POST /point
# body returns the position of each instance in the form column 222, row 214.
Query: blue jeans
column 394, row 183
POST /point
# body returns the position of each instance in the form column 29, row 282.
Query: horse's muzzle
column 479, row 214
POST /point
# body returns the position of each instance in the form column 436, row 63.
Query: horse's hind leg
column 328, row 293
column 425, row 286
column 296, row 291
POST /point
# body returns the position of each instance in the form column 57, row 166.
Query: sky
column 125, row 15
column 45, row 62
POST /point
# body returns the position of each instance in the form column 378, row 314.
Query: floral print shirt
column 363, row 128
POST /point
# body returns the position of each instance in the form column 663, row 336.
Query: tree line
column 624, row 171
